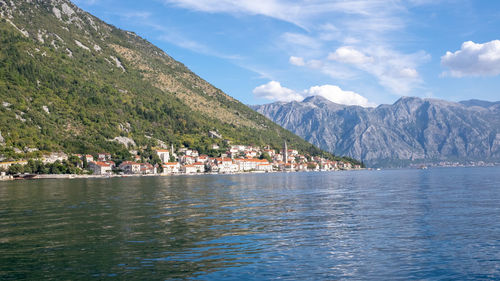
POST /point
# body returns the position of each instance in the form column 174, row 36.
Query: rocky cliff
column 412, row 130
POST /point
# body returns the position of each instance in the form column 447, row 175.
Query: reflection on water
column 408, row 224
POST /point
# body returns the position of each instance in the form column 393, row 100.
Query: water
column 397, row 224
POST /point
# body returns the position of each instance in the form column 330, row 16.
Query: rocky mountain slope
column 70, row 82
column 412, row 130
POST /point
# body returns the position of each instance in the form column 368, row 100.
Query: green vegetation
column 58, row 96
column 37, row 167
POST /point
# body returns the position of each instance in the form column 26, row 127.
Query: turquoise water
column 397, row 224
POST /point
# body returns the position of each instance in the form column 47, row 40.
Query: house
column 215, row 146
column 265, row 167
column 190, row 152
column 202, row 159
column 250, row 154
column 171, row 168
column 187, row 160
column 278, row 157
column 288, row 167
column 270, row 152
column 226, row 165
column 163, row 154
column 88, row 158
column 249, row 164
column 200, row 167
column 293, row 152
column 103, row 157
column 189, row 169
column 100, row 168
column 129, row 167
column 147, row 169
column 301, row 167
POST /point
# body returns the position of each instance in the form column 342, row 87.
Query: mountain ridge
column 411, row 130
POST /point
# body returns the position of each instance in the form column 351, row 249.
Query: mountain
column 412, row 130
column 70, row 82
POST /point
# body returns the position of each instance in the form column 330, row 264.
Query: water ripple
column 401, row 224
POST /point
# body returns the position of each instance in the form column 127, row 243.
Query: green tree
column 16, row 169
column 266, row 156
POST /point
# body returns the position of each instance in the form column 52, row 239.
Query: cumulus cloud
column 350, row 55
column 337, row 95
column 473, row 59
column 275, row 92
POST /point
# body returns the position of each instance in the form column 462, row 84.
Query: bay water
column 435, row 224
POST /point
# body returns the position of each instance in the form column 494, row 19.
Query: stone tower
column 285, row 152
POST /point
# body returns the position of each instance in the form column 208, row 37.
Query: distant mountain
column 70, row 82
column 412, row 130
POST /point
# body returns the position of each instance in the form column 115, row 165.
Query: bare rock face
column 411, row 130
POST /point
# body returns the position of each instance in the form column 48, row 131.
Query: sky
column 356, row 52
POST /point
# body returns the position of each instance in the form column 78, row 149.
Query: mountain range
column 410, row 131
column 70, row 82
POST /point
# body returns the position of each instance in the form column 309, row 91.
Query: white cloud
column 337, row 95
column 297, row 61
column 272, row 8
column 302, row 13
column 275, row 92
column 394, row 70
column 362, row 32
column 350, row 55
column 473, row 59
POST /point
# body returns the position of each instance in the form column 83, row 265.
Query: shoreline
column 76, row 176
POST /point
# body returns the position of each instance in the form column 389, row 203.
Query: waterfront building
column 101, row 168
column 171, row 168
column 129, row 167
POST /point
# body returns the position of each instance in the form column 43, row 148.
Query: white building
column 265, row 167
column 189, row 169
column 171, row 168
column 226, row 165
column 104, row 157
column 130, row 167
column 187, row 160
column 101, row 168
column 163, row 154
column 200, row 167
column 202, row 159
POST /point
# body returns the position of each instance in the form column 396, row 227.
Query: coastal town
column 171, row 161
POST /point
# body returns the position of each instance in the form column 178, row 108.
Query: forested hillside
column 70, row 82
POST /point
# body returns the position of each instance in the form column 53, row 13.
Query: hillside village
column 167, row 161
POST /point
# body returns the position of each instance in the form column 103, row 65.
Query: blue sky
column 364, row 52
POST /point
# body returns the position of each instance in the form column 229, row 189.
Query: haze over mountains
column 70, row 82
column 412, row 130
